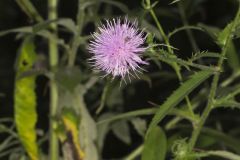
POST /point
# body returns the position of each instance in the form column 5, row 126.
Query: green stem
column 188, row 31
column 30, row 10
column 53, row 60
column 174, row 65
column 135, row 153
column 186, row 63
column 104, row 96
column 211, row 99
column 75, row 44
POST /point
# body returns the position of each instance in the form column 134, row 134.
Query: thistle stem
column 213, row 89
column 174, row 65
column 53, row 60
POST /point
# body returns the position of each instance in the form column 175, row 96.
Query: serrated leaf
column 177, row 96
column 229, row 31
column 121, row 130
column 224, row 34
column 155, row 145
column 25, row 100
column 220, row 38
column 204, row 54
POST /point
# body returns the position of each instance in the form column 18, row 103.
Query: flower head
column 117, row 48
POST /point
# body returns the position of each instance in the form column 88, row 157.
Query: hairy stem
column 174, row 65
column 213, row 89
column 53, row 60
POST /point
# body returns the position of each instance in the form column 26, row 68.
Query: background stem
column 53, row 60
column 174, row 65
column 75, row 44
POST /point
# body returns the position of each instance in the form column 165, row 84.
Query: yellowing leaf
column 70, row 122
column 25, row 99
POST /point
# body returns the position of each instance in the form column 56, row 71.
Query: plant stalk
column 213, row 89
column 174, row 65
column 135, row 153
column 75, row 44
column 53, row 61
column 188, row 31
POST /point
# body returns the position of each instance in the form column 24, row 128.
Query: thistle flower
column 117, row 48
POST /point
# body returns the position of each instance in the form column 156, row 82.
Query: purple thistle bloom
column 117, row 48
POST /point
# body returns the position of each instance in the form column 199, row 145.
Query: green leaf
column 27, row 29
column 229, row 31
column 177, row 96
column 87, row 127
column 140, row 125
column 25, row 100
column 229, row 141
column 166, row 57
column 142, row 112
column 68, row 24
column 204, row 54
column 224, row 34
column 225, row 154
column 233, row 58
column 121, row 130
column 220, row 38
column 155, row 145
column 68, row 78
column 30, row 10
column 205, row 141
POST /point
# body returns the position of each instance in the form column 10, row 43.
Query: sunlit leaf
column 25, row 99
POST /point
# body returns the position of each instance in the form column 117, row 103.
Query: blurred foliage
column 187, row 89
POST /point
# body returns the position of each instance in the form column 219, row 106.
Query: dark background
column 211, row 12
